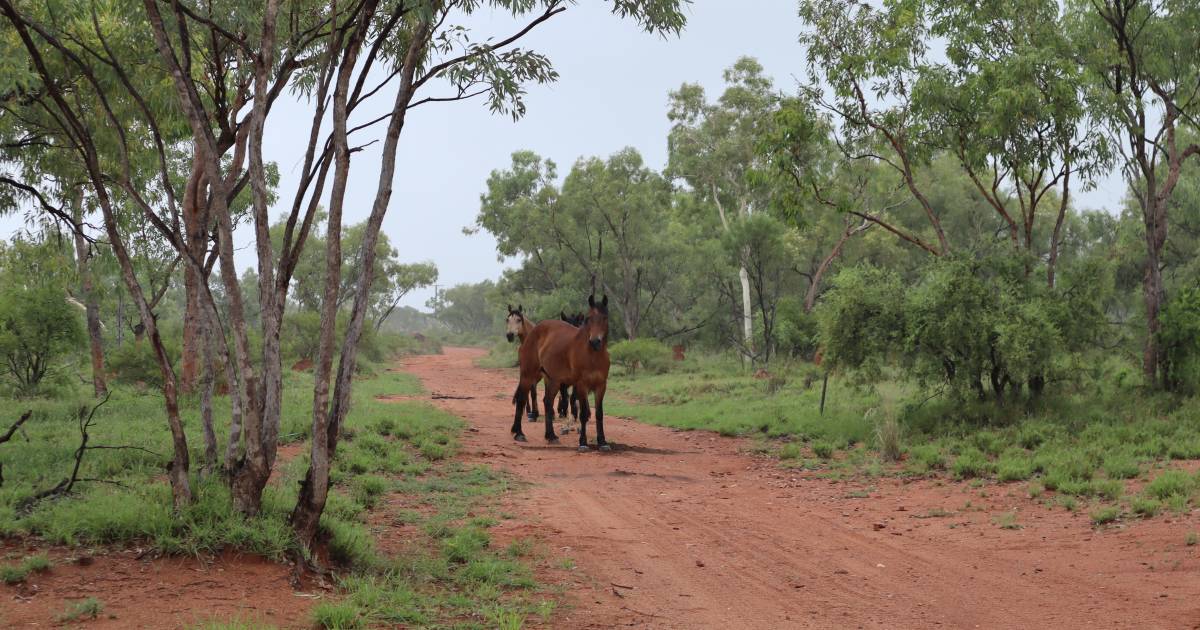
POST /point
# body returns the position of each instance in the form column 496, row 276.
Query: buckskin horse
column 517, row 327
column 566, row 355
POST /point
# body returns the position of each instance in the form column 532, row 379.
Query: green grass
column 714, row 393
column 89, row 608
column 1105, row 514
column 17, row 573
column 1006, row 520
column 1169, row 484
column 1083, row 440
column 388, row 448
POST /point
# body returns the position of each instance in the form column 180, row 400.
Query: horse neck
column 526, row 328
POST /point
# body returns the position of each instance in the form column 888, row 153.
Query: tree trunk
column 206, row 395
column 91, row 307
column 1153, row 294
column 747, row 312
column 196, row 243
column 314, row 490
column 348, row 357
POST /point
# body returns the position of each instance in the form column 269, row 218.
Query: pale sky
column 612, row 93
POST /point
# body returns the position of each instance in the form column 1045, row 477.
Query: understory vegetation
column 394, row 470
column 1113, row 446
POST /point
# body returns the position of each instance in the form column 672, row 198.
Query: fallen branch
column 63, row 487
column 13, row 429
column 437, row 396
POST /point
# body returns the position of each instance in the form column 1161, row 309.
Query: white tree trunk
column 747, row 315
column 744, row 277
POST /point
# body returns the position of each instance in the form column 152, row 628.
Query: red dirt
column 684, row 530
column 158, row 593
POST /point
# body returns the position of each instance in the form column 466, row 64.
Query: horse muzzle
column 510, row 337
column 596, row 343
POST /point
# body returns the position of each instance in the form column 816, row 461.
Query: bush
column 1179, row 337
column 38, row 328
column 134, row 362
column 648, row 354
column 971, row 462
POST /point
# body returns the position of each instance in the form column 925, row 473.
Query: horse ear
column 509, row 308
column 592, row 301
column 604, row 302
column 520, row 309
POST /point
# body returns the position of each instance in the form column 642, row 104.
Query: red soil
column 156, row 593
column 684, row 530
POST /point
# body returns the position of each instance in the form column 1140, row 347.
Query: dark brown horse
column 566, row 355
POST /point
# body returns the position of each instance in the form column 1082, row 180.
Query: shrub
column 1014, row 465
column 1145, row 506
column 971, row 462
column 824, row 450
column 889, row 437
column 1106, row 514
column 134, row 362
column 1170, row 484
column 1179, row 336
column 925, row 458
column 1121, row 466
column 38, row 328
column 651, row 355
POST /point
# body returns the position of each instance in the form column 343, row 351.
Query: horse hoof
column 519, row 438
column 553, row 439
column 606, row 448
column 565, row 430
column 583, row 448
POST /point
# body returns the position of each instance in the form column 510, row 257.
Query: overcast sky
column 612, row 93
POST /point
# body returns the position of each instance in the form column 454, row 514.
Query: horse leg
column 581, row 395
column 519, row 399
column 600, row 441
column 533, row 408
column 564, row 402
column 548, row 402
column 574, row 407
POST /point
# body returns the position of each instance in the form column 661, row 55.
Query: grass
column 1083, row 442
column 714, row 393
column 1105, row 515
column 1006, row 520
column 89, row 608
column 17, row 573
column 451, row 576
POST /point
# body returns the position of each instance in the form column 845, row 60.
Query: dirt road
column 684, row 530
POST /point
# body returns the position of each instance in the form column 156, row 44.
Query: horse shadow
column 617, row 449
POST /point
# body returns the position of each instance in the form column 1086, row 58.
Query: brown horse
column 518, row 327
column 566, row 355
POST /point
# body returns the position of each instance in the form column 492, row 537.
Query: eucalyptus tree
column 220, row 67
column 713, row 147
column 1009, row 105
column 1143, row 75
column 603, row 227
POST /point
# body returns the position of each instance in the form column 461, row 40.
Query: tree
column 1142, row 72
column 38, row 326
column 713, row 147
column 400, row 279
column 466, row 308
column 602, row 231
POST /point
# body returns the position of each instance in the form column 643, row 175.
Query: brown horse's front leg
column 584, row 412
column 533, row 409
column 519, row 399
column 600, row 441
column 548, row 404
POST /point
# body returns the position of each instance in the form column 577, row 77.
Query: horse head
column 514, row 322
column 595, row 324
